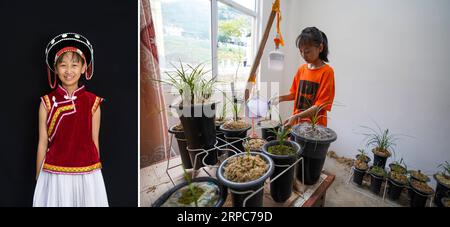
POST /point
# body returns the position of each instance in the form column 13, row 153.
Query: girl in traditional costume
column 68, row 167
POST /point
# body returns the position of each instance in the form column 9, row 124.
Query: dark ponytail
column 312, row 35
column 324, row 54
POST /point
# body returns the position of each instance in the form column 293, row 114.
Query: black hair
column 75, row 56
column 312, row 35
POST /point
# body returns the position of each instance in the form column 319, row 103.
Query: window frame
column 256, row 29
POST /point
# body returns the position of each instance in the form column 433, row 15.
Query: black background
column 25, row 29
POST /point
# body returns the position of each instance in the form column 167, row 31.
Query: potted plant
column 236, row 129
column 383, row 143
column 360, row 169
column 314, row 140
column 254, row 144
column 245, row 173
column 420, row 193
column 284, row 153
column 399, row 167
column 363, row 156
column 397, row 180
column 178, row 131
column 196, row 110
column 442, row 183
column 418, row 176
column 198, row 192
column 377, row 175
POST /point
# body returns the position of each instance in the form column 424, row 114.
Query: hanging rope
column 279, row 38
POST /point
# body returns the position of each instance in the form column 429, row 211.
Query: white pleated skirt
column 66, row 190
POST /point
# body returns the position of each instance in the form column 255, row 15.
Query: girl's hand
column 290, row 121
column 275, row 100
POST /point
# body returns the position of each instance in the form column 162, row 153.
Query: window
column 186, row 28
column 183, row 32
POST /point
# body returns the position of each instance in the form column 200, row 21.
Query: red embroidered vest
column 71, row 149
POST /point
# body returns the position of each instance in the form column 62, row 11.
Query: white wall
column 391, row 60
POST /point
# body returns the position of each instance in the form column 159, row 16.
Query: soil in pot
column 376, row 179
column 442, row 188
column 359, row 171
column 245, row 168
column 380, row 157
column 314, row 143
column 254, row 144
column 245, row 173
column 267, row 128
column 397, row 168
column 366, row 159
column 420, row 193
column 177, row 130
column 203, row 192
column 283, row 155
column 396, row 183
column 418, row 176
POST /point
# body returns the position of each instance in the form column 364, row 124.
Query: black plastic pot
column 358, row 175
column 200, row 131
column 281, row 188
column 314, row 153
column 394, row 189
column 220, row 136
column 231, row 136
column 223, row 191
column 182, row 144
column 441, row 191
column 375, row 183
column 418, row 198
column 239, row 190
column 379, row 160
column 267, row 130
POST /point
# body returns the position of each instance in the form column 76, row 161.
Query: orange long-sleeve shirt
column 313, row 87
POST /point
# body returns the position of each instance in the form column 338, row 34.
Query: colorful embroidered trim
column 63, row 169
column 55, row 117
column 47, row 103
column 96, row 103
column 69, row 49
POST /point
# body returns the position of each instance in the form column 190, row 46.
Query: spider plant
column 188, row 179
column 314, row 117
column 362, row 155
column 282, row 135
column 190, row 82
column 223, row 113
column 378, row 171
column 383, row 140
column 445, row 167
column 399, row 166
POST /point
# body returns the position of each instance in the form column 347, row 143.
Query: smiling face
column 69, row 68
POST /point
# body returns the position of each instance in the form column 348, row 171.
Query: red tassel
column 88, row 74
column 52, row 86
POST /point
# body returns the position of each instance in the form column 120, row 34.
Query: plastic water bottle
column 276, row 60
